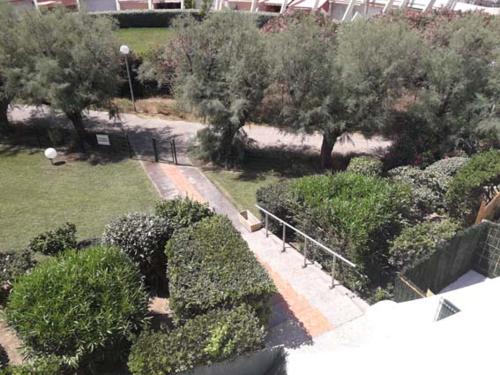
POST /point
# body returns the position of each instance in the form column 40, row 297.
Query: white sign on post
column 103, row 139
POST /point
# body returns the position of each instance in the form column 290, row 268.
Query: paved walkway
column 306, row 307
column 11, row 343
column 184, row 130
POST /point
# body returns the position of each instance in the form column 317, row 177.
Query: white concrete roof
column 403, row 338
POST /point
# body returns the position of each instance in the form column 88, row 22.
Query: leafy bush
column 448, row 167
column 53, row 242
column 365, row 165
column 142, row 237
column 419, row 241
column 211, row 266
column 164, row 17
column 12, row 265
column 79, row 305
column 182, row 212
column 481, row 173
column 426, row 196
column 276, row 198
column 46, row 365
column 362, row 212
column 214, row 337
column 148, row 18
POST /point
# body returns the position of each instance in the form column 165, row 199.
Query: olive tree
column 312, row 95
column 380, row 62
column 75, row 63
column 12, row 59
column 221, row 75
column 460, row 93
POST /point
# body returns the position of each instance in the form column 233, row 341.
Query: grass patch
column 262, row 167
column 143, row 39
column 37, row 196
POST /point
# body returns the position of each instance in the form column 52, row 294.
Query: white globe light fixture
column 50, row 154
column 124, row 50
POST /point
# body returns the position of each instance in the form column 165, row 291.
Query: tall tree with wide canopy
column 460, row 94
column 221, row 74
column 12, row 58
column 380, row 62
column 312, row 94
column 75, row 63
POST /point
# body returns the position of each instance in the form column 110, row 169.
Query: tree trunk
column 329, row 139
column 227, row 146
column 77, row 121
column 4, row 120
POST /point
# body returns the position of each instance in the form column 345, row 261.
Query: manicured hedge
column 418, row 241
column 466, row 188
column 164, row 17
column 148, row 18
column 182, row 212
column 142, row 237
column 210, row 338
column 79, row 305
column 366, row 165
column 211, row 266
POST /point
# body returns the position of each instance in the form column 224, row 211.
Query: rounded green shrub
column 366, row 165
column 206, row 339
column 471, row 182
column 427, row 197
column 142, row 237
column 79, row 305
column 55, row 241
column 210, row 266
column 182, row 212
column 419, row 241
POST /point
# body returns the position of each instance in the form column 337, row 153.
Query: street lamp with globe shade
column 125, row 50
column 50, row 154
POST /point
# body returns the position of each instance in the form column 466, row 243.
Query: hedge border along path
column 210, row 338
column 164, row 17
column 211, row 266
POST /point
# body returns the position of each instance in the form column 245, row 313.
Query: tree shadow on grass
column 48, row 129
column 282, row 161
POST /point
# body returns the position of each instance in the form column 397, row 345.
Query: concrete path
column 11, row 343
column 306, row 307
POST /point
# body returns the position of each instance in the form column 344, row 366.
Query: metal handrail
column 306, row 238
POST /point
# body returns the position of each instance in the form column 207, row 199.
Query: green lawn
column 266, row 167
column 142, row 39
column 36, row 196
column 240, row 191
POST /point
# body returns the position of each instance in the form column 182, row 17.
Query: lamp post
column 124, row 50
column 50, row 154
